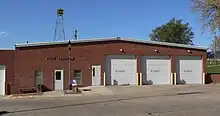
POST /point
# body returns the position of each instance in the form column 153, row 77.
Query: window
column 38, row 77
column 78, row 76
column 93, row 72
column 58, row 75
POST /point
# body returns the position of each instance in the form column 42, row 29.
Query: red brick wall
column 31, row 58
column 7, row 59
column 212, row 78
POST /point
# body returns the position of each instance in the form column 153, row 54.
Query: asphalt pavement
column 185, row 104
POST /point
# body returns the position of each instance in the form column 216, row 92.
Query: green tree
column 173, row 32
column 209, row 11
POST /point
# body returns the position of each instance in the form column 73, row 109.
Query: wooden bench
column 28, row 90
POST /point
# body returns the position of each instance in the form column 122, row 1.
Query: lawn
column 213, row 69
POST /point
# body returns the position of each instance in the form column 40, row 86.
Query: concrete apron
column 153, row 89
column 145, row 90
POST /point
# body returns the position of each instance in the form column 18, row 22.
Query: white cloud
column 3, row 33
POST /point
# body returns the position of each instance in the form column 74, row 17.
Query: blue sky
column 34, row 20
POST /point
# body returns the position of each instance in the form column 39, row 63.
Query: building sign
column 155, row 70
column 119, row 70
column 59, row 58
column 187, row 71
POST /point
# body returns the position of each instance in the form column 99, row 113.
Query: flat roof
column 110, row 39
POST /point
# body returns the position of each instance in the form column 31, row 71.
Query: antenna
column 59, row 30
column 75, row 34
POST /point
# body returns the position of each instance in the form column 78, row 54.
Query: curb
column 42, row 96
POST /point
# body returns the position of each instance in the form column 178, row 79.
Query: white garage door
column 155, row 69
column 189, row 69
column 2, row 80
column 121, row 70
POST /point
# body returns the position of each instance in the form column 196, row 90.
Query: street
column 198, row 104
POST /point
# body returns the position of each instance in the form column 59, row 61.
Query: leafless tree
column 215, row 46
column 209, row 11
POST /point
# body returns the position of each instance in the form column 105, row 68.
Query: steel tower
column 59, row 30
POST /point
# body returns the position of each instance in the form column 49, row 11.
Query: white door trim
column 3, row 67
column 96, row 75
column 59, row 87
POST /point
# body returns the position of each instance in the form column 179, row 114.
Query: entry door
column 58, row 80
column 2, row 80
column 96, row 75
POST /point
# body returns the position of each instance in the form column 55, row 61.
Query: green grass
column 213, row 69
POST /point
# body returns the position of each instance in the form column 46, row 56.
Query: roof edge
column 1, row 49
column 167, row 44
column 110, row 39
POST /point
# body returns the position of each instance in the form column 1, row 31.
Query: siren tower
column 59, row 30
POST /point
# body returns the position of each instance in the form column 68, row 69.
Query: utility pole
column 69, row 68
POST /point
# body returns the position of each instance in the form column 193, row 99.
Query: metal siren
column 60, row 12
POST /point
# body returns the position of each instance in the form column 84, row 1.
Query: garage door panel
column 156, row 69
column 125, row 65
column 122, row 69
column 189, row 69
